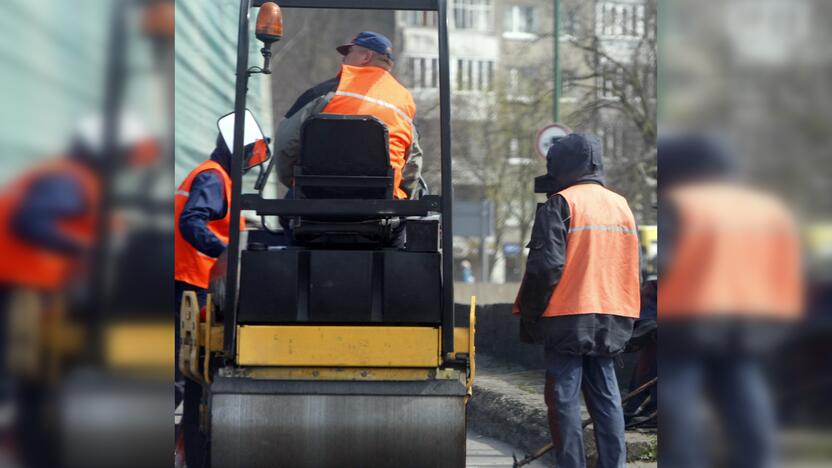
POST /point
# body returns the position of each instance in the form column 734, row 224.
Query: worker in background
column 641, row 409
column 202, row 225
column 48, row 228
column 579, row 298
column 729, row 284
column 363, row 86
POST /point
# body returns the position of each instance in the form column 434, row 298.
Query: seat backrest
column 344, row 146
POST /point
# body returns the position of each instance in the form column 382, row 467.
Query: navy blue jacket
column 313, row 93
column 206, row 203
column 49, row 200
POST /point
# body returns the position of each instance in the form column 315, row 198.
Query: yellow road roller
column 329, row 347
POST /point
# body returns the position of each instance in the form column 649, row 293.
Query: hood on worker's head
column 573, row 159
column 692, row 158
column 221, row 154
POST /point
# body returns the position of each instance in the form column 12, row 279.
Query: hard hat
column 133, row 140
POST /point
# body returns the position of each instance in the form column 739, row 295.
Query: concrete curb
column 501, row 408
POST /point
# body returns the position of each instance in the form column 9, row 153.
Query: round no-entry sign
column 547, row 136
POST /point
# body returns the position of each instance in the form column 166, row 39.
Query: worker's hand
column 528, row 320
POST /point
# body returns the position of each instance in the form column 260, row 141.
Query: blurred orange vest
column 601, row 270
column 26, row 265
column 192, row 266
column 736, row 253
column 374, row 91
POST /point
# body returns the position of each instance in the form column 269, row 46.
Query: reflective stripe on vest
column 375, row 101
column 736, row 253
column 601, row 269
column 24, row 264
column 192, row 266
column 623, row 229
column 374, row 91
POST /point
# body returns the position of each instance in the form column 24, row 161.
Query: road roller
column 328, row 347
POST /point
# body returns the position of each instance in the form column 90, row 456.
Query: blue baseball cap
column 371, row 40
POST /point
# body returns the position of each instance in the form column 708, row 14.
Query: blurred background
column 85, row 229
column 744, row 218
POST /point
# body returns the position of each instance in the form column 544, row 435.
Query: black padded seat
column 343, row 157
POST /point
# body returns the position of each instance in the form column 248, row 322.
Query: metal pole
column 233, row 252
column 556, row 94
column 110, row 156
column 484, row 223
column 447, row 183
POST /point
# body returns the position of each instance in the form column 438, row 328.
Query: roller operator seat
column 343, row 157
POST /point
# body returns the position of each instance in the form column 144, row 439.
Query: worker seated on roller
column 363, row 86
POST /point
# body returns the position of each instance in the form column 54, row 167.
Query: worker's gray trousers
column 566, row 377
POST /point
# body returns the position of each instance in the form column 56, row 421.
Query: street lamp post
column 556, row 39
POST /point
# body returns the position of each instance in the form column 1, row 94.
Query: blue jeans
column 736, row 389
column 566, row 377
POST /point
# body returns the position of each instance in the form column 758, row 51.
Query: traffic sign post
column 547, row 136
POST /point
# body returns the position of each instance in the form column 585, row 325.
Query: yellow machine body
column 338, row 346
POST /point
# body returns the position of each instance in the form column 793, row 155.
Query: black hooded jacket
column 572, row 160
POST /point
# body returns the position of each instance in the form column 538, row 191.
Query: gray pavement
column 485, row 452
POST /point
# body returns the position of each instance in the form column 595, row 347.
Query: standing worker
column 580, row 297
column 363, row 86
column 202, row 225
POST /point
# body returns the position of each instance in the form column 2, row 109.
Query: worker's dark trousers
column 736, row 390
column 644, row 371
column 189, row 391
column 566, row 377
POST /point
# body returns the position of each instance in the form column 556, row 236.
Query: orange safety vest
column 26, row 265
column 736, row 253
column 601, row 269
column 192, row 266
column 374, row 91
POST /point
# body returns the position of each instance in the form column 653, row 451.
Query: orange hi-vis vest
column 23, row 264
column 192, row 266
column 374, row 91
column 601, row 269
column 736, row 254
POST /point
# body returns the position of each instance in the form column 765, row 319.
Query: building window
column 521, row 19
column 611, row 82
column 614, row 140
column 514, row 148
column 513, row 82
column 420, row 18
column 519, row 84
column 422, row 72
column 569, row 22
column 567, row 80
column 473, row 14
column 474, row 75
column 620, row 19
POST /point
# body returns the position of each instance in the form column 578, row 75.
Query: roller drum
column 337, row 424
